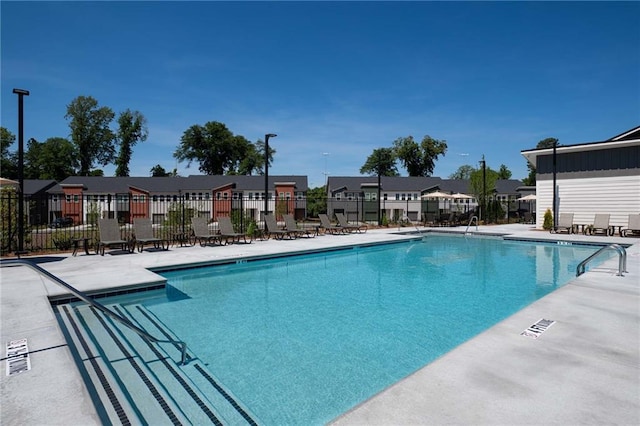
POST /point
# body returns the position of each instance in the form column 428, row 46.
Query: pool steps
column 138, row 382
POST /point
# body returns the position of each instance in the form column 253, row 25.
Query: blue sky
column 341, row 78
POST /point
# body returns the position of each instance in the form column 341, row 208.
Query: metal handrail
column 85, row 298
column 471, row 221
column 622, row 259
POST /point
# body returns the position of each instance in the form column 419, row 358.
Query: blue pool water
column 300, row 340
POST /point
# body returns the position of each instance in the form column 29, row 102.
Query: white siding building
column 598, row 177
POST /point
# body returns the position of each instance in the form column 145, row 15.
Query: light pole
column 326, row 175
column 484, row 188
column 266, row 171
column 555, row 194
column 21, row 94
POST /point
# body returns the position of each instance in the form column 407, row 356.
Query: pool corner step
column 229, row 406
column 134, row 382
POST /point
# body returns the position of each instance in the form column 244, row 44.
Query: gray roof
column 35, row 186
column 173, row 184
column 417, row 184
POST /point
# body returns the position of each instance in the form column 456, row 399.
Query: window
column 102, row 198
column 404, row 197
column 397, row 197
column 374, row 196
column 76, row 198
column 218, row 195
column 235, row 196
column 384, row 196
column 338, row 196
column 225, row 195
column 67, row 198
column 135, row 198
column 199, row 195
column 207, row 196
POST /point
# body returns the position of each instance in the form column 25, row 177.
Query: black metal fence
column 54, row 222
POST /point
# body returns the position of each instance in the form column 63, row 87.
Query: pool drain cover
column 534, row 331
column 17, row 357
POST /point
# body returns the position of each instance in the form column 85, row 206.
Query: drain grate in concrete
column 17, row 357
column 534, row 331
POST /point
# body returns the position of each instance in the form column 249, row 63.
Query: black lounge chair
column 291, row 225
column 344, row 223
column 325, row 223
column 109, row 231
column 601, row 225
column 202, row 234
column 227, row 231
column 565, row 223
column 633, row 226
column 275, row 232
column 143, row 235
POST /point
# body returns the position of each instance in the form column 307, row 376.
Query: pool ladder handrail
column 87, row 299
column 466, row 231
column 622, row 259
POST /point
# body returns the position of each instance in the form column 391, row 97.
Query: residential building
column 591, row 177
column 407, row 197
column 126, row 198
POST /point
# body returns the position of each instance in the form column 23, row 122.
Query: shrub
column 548, row 220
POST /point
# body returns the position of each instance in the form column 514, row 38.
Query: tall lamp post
column 21, row 94
column 266, row 171
column 555, row 195
column 484, row 188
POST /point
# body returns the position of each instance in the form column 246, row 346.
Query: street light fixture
column 21, row 94
column 326, row 174
column 483, row 204
column 266, row 171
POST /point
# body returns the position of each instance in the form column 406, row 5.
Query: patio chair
column 143, row 235
column 110, row 238
column 227, row 231
column 565, row 223
column 428, row 219
column 325, row 223
column 291, row 225
column 202, row 234
column 601, row 225
column 344, row 223
column 274, row 231
column 633, row 226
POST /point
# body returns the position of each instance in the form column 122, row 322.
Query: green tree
column 132, row 128
column 8, row 160
column 159, row 171
column 483, row 189
column 218, row 150
column 90, row 132
column 382, row 162
column 543, row 144
column 463, row 172
column 55, row 158
column 504, row 172
column 316, row 201
column 419, row 159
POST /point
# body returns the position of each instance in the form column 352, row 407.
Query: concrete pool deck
column 585, row 369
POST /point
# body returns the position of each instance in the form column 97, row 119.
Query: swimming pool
column 300, row 340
